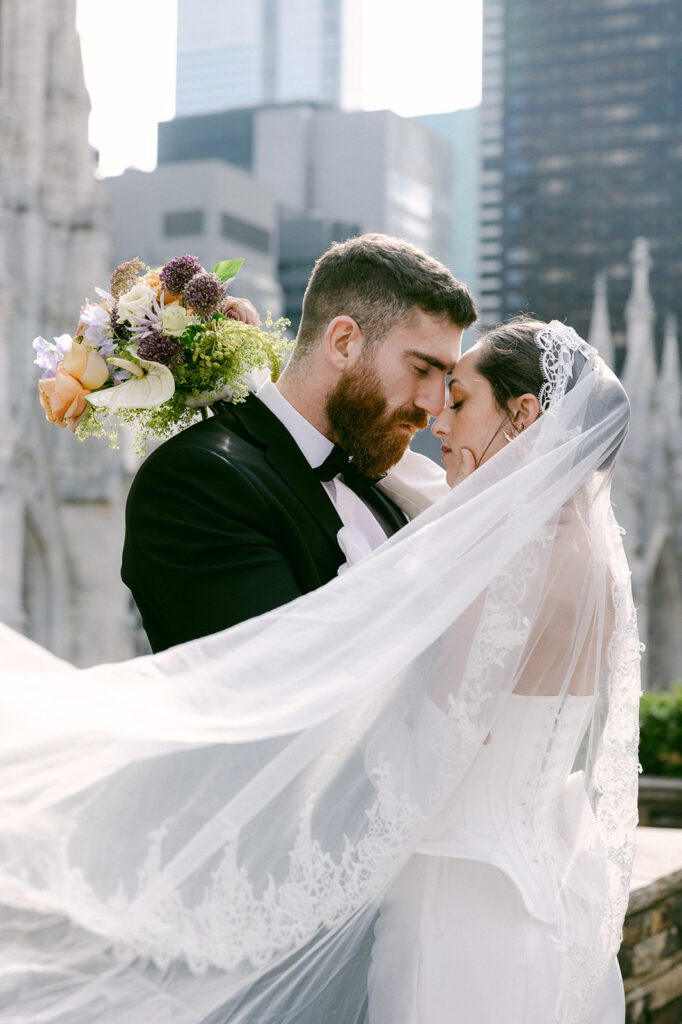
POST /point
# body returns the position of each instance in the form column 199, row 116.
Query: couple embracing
column 382, row 765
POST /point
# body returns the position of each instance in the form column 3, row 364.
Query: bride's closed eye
column 456, row 405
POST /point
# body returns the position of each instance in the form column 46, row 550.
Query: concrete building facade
column 61, row 502
column 370, row 168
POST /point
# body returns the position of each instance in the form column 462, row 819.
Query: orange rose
column 63, row 399
column 86, row 365
column 153, row 280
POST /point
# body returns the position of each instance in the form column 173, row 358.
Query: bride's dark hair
column 510, row 359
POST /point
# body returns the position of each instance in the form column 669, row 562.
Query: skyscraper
column 236, row 54
column 581, row 146
column 460, row 129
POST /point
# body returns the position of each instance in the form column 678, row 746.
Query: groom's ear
column 343, row 342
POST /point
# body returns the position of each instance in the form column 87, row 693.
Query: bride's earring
column 518, row 430
column 505, row 435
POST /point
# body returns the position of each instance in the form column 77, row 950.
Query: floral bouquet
column 156, row 351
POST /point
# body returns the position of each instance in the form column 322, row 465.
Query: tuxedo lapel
column 288, row 461
column 388, row 514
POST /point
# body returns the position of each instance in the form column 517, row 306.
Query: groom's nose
column 431, row 397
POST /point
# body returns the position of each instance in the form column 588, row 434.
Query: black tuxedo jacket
column 227, row 520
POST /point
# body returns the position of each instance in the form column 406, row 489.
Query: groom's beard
column 356, row 411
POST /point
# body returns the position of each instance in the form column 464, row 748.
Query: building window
column 248, row 234
column 183, row 222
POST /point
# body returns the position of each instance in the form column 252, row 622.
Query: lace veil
column 205, row 835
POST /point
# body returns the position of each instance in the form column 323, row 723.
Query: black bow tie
column 338, row 463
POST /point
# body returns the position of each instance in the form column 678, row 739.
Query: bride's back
column 567, row 647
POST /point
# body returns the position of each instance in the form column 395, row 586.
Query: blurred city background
column 533, row 146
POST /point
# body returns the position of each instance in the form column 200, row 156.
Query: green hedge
column 660, row 744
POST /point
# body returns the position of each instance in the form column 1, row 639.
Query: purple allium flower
column 204, row 293
column 120, row 329
column 125, row 276
column 49, row 354
column 160, row 348
column 178, row 272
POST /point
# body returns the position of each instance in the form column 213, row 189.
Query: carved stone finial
column 639, row 375
column 600, row 324
column 670, row 380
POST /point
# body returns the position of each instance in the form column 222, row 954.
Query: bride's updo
column 510, row 360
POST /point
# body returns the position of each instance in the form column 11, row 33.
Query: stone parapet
column 651, row 953
column 660, row 802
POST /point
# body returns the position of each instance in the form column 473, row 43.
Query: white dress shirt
column 353, row 511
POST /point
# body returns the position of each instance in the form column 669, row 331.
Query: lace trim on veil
column 615, row 784
column 558, row 344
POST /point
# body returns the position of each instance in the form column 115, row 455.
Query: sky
column 419, row 57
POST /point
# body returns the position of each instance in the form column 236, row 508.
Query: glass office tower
column 238, row 53
column 581, row 152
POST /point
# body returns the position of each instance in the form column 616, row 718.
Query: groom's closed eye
column 427, row 362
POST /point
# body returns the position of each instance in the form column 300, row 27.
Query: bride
column 494, row 879
column 408, row 796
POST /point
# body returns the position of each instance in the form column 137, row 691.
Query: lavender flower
column 97, row 325
column 125, row 276
column 204, row 293
column 50, row 353
column 119, row 375
column 159, row 348
column 178, row 272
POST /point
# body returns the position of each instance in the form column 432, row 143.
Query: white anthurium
column 151, row 384
column 127, row 364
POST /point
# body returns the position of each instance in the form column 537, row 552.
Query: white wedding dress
column 474, row 930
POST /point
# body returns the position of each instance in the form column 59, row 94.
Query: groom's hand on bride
column 467, row 464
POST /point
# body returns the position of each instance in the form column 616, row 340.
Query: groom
column 240, row 513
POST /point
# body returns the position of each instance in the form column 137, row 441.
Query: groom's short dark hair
column 379, row 281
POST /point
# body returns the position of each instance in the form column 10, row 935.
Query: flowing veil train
column 204, row 835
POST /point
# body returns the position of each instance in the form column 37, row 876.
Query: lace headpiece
column 559, row 344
